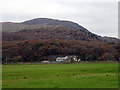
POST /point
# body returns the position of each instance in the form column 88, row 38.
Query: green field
column 84, row 75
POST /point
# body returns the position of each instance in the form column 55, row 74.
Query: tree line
column 39, row 50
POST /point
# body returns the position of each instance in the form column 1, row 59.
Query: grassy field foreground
column 90, row 75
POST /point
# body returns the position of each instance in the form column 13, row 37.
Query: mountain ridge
column 53, row 22
column 46, row 23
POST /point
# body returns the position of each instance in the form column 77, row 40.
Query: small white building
column 67, row 59
column 62, row 59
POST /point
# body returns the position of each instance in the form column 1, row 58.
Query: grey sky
column 98, row 16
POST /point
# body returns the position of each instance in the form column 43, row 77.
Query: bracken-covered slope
column 54, row 32
column 44, row 28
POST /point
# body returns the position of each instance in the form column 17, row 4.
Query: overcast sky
column 98, row 16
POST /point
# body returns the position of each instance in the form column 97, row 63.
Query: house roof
column 62, row 57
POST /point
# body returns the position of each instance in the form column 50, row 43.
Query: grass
column 85, row 75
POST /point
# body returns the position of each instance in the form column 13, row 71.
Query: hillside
column 37, row 23
column 45, row 39
column 54, row 32
column 54, row 22
column 44, row 28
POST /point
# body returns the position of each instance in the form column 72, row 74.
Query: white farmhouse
column 62, row 59
column 70, row 58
